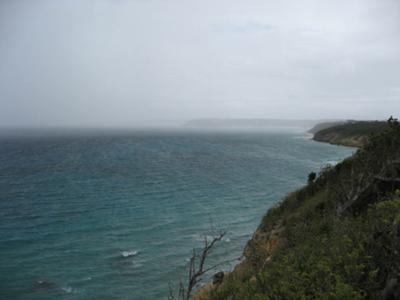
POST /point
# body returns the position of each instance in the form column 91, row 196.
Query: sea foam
column 129, row 253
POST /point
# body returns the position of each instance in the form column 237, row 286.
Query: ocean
column 116, row 214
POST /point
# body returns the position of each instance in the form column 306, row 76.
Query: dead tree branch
column 197, row 268
column 361, row 178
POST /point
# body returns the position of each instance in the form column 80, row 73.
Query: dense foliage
column 338, row 237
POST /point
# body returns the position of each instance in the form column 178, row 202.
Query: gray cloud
column 120, row 63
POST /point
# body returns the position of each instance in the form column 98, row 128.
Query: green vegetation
column 352, row 133
column 336, row 238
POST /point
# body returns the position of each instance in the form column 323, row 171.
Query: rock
column 218, row 278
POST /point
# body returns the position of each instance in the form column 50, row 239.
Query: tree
column 197, row 268
column 379, row 161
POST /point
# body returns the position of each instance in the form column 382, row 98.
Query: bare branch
column 197, row 269
column 361, row 178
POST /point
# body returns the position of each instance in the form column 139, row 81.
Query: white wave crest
column 129, row 253
column 69, row 290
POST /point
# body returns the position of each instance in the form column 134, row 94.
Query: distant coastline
column 252, row 123
column 350, row 133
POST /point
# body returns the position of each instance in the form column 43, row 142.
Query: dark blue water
column 115, row 215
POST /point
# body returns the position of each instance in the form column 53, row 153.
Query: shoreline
column 274, row 235
column 274, row 238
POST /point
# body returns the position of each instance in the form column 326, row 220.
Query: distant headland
column 350, row 133
column 253, row 123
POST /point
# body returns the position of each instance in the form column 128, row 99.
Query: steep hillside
column 336, row 238
column 352, row 133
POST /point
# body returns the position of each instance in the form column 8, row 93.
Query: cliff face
column 336, row 238
column 339, row 139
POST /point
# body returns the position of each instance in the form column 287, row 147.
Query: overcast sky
column 120, row 62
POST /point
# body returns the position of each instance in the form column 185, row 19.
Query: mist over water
column 116, row 63
column 114, row 215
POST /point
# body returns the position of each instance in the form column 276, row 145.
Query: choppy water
column 114, row 215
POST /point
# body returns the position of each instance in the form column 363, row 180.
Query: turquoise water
column 114, row 215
